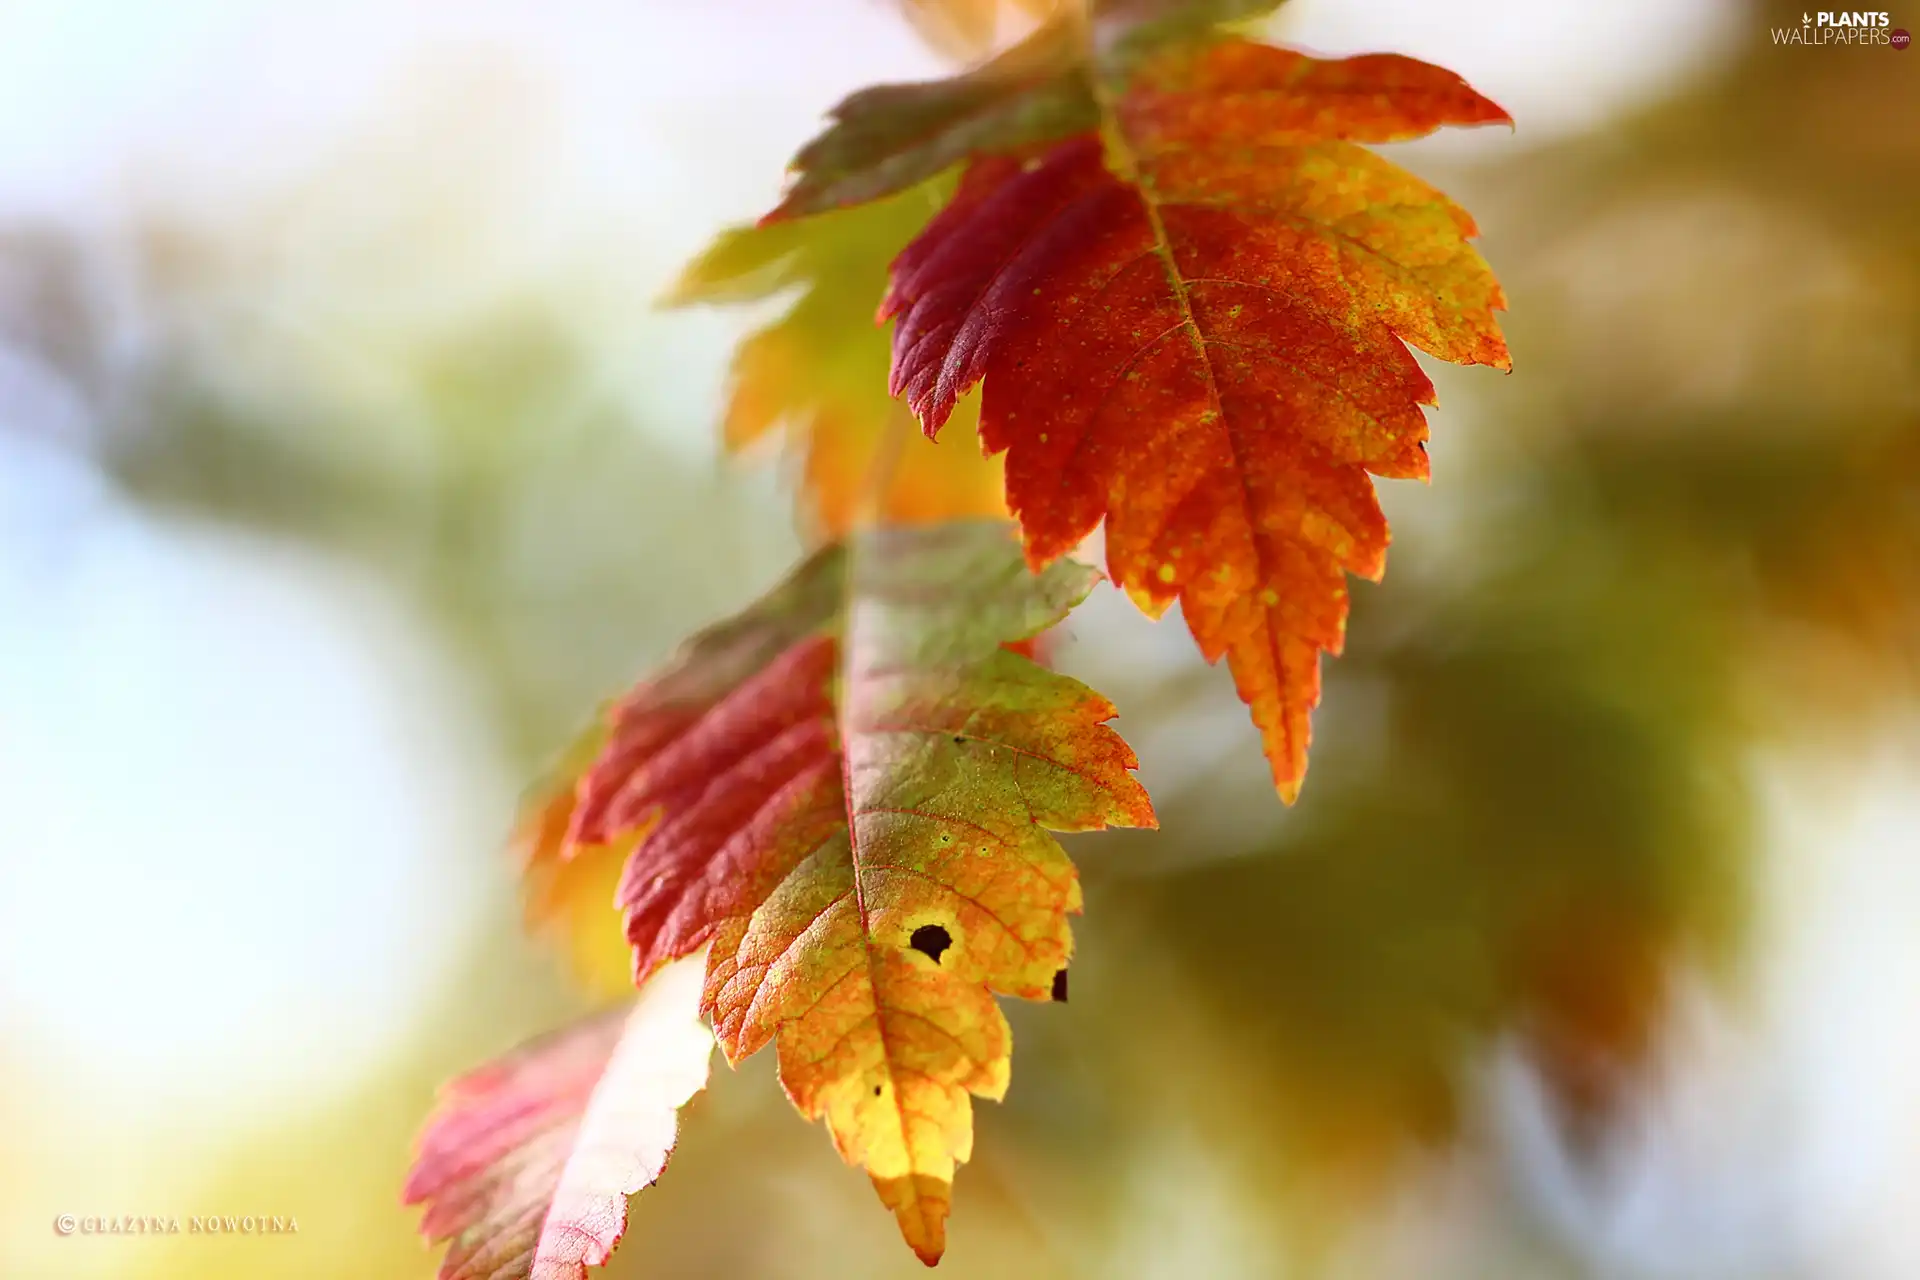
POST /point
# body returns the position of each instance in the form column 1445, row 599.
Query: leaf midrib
column 1119, row 150
column 848, row 650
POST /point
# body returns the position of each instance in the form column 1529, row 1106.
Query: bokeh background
column 345, row 463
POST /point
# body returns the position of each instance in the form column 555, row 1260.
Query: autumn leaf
column 846, row 791
column 820, row 372
column 1193, row 324
column 887, row 138
column 864, row 189
column 527, row 1163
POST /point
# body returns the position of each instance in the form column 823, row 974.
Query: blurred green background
column 345, row 464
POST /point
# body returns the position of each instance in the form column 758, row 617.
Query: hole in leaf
column 930, row 940
column 1060, row 986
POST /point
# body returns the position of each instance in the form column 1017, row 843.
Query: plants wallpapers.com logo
column 1858, row 29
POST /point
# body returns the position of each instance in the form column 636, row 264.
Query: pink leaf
column 527, row 1164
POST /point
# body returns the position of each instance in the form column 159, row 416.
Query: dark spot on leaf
column 876, row 1091
column 1060, row 986
column 958, row 740
column 931, row 940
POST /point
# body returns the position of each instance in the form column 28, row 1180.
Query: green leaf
column 892, row 136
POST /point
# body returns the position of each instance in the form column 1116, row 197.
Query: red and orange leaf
column 526, row 1165
column 818, row 374
column 847, row 791
column 1193, row 324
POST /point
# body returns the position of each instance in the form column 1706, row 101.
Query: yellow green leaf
column 847, row 791
column 818, row 375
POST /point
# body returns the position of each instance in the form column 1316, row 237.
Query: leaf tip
column 920, row 1203
column 932, row 413
column 684, row 291
column 782, row 212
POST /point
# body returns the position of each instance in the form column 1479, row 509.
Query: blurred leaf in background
column 820, row 372
column 967, row 28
